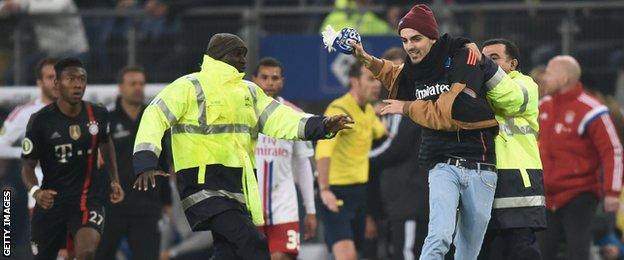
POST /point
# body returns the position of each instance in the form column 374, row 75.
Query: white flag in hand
column 341, row 40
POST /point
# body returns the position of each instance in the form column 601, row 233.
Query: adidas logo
column 55, row 135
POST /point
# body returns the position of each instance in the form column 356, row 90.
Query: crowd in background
column 167, row 34
column 391, row 192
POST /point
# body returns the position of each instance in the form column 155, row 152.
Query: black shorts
column 51, row 228
column 350, row 221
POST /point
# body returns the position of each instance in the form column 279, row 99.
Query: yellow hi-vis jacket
column 519, row 200
column 346, row 14
column 215, row 116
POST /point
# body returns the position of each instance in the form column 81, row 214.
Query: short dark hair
column 268, row 62
column 66, row 63
column 129, row 69
column 510, row 48
column 355, row 71
column 394, row 53
column 42, row 63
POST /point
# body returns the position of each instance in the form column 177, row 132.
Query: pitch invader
column 65, row 137
column 278, row 161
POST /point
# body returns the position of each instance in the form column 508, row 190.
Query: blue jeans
column 450, row 188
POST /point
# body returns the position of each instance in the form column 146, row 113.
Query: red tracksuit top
column 579, row 147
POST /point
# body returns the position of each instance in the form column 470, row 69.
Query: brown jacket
column 436, row 115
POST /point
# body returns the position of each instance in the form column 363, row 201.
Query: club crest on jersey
column 74, row 132
column 569, row 117
column 93, row 128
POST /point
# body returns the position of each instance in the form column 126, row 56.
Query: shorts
column 52, row 228
column 282, row 237
column 349, row 223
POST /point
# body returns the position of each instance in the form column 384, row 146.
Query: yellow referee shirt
column 348, row 150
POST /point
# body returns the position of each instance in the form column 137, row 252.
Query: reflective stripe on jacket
column 215, row 116
column 519, row 199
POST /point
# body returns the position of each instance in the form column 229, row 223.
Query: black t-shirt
column 470, row 105
column 123, row 133
column 67, row 149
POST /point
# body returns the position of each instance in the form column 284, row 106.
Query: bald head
column 562, row 73
column 567, row 65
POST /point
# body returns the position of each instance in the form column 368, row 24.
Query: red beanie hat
column 421, row 19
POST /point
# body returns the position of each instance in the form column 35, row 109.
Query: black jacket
column 399, row 163
column 445, row 91
column 123, row 132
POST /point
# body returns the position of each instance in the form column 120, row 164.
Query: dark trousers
column 236, row 237
column 422, row 207
column 141, row 232
column 512, row 244
column 572, row 223
column 403, row 237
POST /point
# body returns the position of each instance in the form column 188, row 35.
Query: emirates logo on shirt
column 432, row 90
column 271, row 151
column 267, row 146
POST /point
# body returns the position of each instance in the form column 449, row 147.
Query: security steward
column 215, row 117
column 519, row 204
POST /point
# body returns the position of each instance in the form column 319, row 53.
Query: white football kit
column 13, row 132
column 281, row 163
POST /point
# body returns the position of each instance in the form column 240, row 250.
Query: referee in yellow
column 342, row 164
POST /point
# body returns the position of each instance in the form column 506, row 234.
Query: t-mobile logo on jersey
column 63, row 151
column 432, row 90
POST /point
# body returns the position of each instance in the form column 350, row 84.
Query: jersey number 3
column 293, row 240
